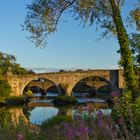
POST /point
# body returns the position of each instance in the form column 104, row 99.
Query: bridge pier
column 68, row 92
column 67, row 88
column 59, row 89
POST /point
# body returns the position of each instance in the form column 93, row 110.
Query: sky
column 71, row 47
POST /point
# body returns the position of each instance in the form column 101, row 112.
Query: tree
column 135, row 48
column 5, row 89
column 9, row 61
column 44, row 15
column 6, row 61
column 135, row 14
column 135, row 36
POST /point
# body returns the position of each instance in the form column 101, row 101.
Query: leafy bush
column 5, row 89
column 65, row 99
column 19, row 132
column 8, row 65
column 29, row 93
column 15, row 100
column 129, row 111
column 136, row 115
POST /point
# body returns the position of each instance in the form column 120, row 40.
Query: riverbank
column 64, row 100
column 14, row 100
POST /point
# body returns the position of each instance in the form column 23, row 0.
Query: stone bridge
column 66, row 80
column 43, row 85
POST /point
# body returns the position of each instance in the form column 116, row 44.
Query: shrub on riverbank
column 29, row 93
column 64, row 100
column 16, row 100
column 129, row 111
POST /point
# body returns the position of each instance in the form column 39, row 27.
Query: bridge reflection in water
column 33, row 115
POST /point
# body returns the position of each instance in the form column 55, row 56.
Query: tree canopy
column 135, row 14
column 5, row 89
column 44, row 15
column 8, row 61
column 135, row 48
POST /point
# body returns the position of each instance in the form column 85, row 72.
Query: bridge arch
column 45, row 86
column 70, row 90
column 51, row 88
column 37, row 78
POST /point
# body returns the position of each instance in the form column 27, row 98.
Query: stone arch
column 84, row 77
column 37, row 77
column 46, row 85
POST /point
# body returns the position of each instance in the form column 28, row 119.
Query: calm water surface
column 43, row 110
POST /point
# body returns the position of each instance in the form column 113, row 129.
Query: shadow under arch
column 94, row 78
column 82, row 86
column 38, row 79
column 52, row 88
column 104, row 89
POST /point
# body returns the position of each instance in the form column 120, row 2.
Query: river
column 40, row 110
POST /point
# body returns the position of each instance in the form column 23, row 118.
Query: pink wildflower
column 20, row 136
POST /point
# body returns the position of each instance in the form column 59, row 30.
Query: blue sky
column 70, row 47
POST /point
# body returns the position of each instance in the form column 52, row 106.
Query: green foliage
column 135, row 48
column 5, row 134
column 136, row 114
column 43, row 17
column 4, row 117
column 126, row 58
column 65, row 99
column 56, row 120
column 18, row 70
column 5, row 89
column 8, row 63
column 16, row 100
column 135, row 14
column 29, row 93
column 12, row 132
column 128, row 110
column 137, row 72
